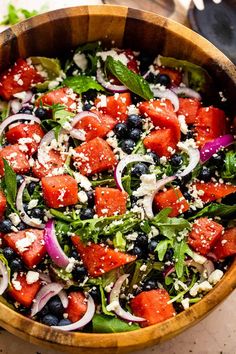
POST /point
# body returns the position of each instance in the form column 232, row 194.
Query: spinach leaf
column 9, row 184
column 52, row 68
column 80, row 84
column 229, row 171
column 215, row 209
column 105, row 324
column 198, row 77
column 132, row 81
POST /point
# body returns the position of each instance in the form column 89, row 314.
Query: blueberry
column 16, row 265
column 189, row 213
column 133, row 200
column 139, row 169
column 162, row 79
column 89, row 95
column 176, row 160
column 87, row 213
column 79, row 272
column 95, row 293
column 26, row 110
column 90, row 195
column 75, row 255
column 134, row 121
column 87, row 107
column 50, row 320
column 121, row 130
column 152, row 245
column 21, row 226
column 135, row 134
column 8, row 253
column 137, row 251
column 31, row 187
column 169, row 255
column 229, row 199
column 189, row 135
column 55, row 306
column 141, row 240
column 41, row 113
column 205, row 174
column 25, row 207
column 154, row 156
column 187, row 196
column 44, row 311
column 19, row 180
column 135, row 98
column 128, row 145
column 145, row 61
column 64, row 322
column 149, row 285
column 37, row 213
column 218, row 159
column 5, row 226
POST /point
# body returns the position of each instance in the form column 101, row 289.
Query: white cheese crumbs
column 16, row 284
column 147, row 187
column 143, row 268
column 215, row 276
column 32, row 277
column 21, row 95
column 53, row 84
column 205, row 286
column 109, row 287
column 82, row 197
column 163, row 160
column 71, row 265
column 62, row 194
column 132, row 109
column 179, row 284
column 185, row 303
column 131, row 237
column 81, row 61
column 113, row 306
column 183, row 125
column 153, row 232
column 33, row 203
column 24, row 244
column 113, row 53
column 82, row 181
column 185, row 145
column 198, row 258
column 15, row 219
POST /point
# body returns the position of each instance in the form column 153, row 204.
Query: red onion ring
column 213, row 146
column 187, row 91
column 84, row 320
column 167, row 94
column 45, row 142
column 114, row 298
column 107, row 85
column 124, row 162
column 44, row 295
column 64, row 298
column 4, row 280
column 16, row 117
column 19, row 206
column 194, row 158
column 53, row 247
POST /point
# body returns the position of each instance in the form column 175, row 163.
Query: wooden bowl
column 51, row 34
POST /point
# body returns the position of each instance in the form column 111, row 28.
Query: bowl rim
column 40, row 334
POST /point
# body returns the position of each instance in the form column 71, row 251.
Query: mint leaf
column 132, row 81
column 9, row 184
column 105, row 324
column 215, row 209
column 80, row 84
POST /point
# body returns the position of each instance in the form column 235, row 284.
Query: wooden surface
column 52, row 34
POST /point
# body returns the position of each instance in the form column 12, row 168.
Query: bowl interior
column 52, row 34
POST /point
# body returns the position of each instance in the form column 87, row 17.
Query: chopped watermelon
column 28, row 292
column 172, row 198
column 54, row 165
column 63, row 96
column 213, row 191
column 226, row 244
column 16, row 159
column 3, row 204
column 116, row 106
column 77, row 306
column 189, row 108
column 161, row 141
column 110, row 201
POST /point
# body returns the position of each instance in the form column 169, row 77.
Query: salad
column 118, row 193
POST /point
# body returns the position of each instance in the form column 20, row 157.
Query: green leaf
column 10, row 184
column 215, row 209
column 162, row 248
column 5, row 262
column 80, row 84
column 229, row 171
column 51, row 66
column 132, row 81
column 119, row 241
column 15, row 15
column 104, row 303
column 180, row 250
column 60, row 215
column 169, row 227
column 105, row 324
column 198, row 77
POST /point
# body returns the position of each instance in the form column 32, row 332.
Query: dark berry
column 154, row 156
column 75, row 255
column 5, row 226
column 218, row 159
column 8, row 253
column 128, row 146
column 21, row 226
column 152, row 245
column 95, row 293
column 44, row 311
column 169, row 255
column 64, row 322
column 135, row 98
column 121, row 130
column 189, row 213
column 145, row 62
column 190, row 134
column 137, row 251
column 229, row 199
column 134, row 121
column 79, row 272
column 87, row 213
column 141, row 240
column 37, row 213
column 187, row 196
column 133, row 200
column 55, row 306
column 149, row 285
column 19, row 180
column 176, row 160
column 31, row 187
column 139, row 169
column 50, row 320
column 41, row 113
column 16, row 265
column 25, row 206
column 162, row 79
column 90, row 196
column 23, row 310
column 26, row 110
column 205, row 174
column 89, row 95
column 135, row 134
column 87, row 107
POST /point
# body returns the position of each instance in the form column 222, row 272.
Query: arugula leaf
column 198, row 77
column 80, row 84
column 215, row 209
column 105, row 324
column 15, row 15
column 60, row 215
column 119, row 241
column 169, row 227
column 162, row 248
column 180, row 250
column 229, row 171
column 52, row 68
column 132, row 81
column 9, row 184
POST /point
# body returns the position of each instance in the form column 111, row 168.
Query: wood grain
column 52, row 34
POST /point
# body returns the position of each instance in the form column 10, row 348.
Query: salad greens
column 15, row 15
column 9, row 184
column 81, row 84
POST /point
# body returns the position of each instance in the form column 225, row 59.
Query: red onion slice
column 114, row 299
column 88, row 316
column 209, row 267
column 194, row 158
column 213, row 146
column 108, row 85
column 15, row 106
column 53, row 247
column 15, row 118
column 187, row 91
column 19, row 206
column 167, row 94
column 148, row 199
column 4, row 278
column 44, row 143
column 44, row 295
column 126, row 161
column 28, row 97
column 64, row 298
